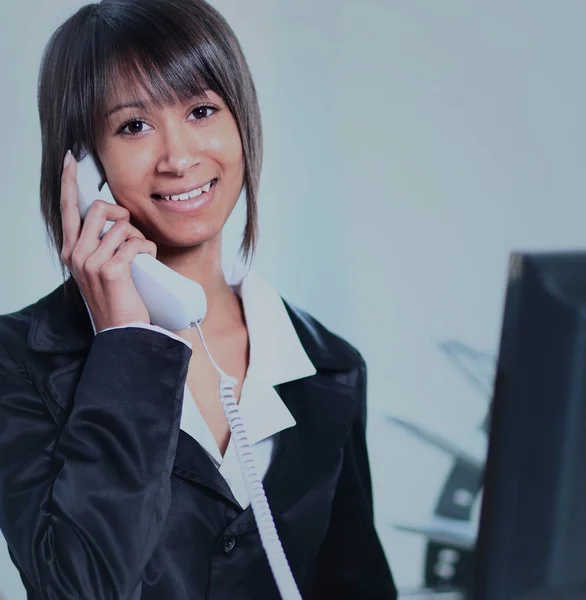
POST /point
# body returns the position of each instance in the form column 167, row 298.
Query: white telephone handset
column 173, row 301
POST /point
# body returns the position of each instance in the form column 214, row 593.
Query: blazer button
column 229, row 543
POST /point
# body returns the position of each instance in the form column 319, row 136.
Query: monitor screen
column 532, row 535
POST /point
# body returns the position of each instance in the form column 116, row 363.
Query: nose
column 180, row 151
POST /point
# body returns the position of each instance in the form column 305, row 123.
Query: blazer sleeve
column 351, row 563
column 82, row 505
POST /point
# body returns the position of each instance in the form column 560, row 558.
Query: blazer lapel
column 193, row 464
column 324, row 409
column 323, row 405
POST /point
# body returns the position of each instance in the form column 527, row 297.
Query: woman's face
column 150, row 154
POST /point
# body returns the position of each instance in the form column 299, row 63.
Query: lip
column 178, row 192
column 186, row 206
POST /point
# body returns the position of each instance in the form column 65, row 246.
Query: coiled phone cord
column 258, row 500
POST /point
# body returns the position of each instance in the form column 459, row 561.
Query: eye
column 134, row 126
column 205, row 111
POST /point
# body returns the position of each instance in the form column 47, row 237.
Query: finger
column 144, row 247
column 119, row 265
column 70, row 217
column 110, row 244
column 99, row 214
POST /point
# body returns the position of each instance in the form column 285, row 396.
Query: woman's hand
column 101, row 267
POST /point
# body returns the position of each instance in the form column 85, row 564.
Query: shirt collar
column 276, row 353
column 276, row 356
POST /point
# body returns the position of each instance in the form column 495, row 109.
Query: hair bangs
column 180, row 66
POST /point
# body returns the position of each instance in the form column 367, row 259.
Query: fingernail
column 67, row 159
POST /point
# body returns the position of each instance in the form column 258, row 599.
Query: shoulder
column 326, row 349
column 14, row 332
column 50, row 323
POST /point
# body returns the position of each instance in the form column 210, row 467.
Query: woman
column 118, row 474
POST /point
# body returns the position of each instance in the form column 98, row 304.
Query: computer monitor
column 532, row 534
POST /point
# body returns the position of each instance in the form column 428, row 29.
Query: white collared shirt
column 276, row 356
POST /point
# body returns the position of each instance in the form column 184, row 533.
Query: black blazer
column 103, row 497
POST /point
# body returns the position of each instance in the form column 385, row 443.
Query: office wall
column 409, row 147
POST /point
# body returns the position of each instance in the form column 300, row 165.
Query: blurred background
column 409, row 147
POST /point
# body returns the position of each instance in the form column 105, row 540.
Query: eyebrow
column 132, row 104
column 143, row 105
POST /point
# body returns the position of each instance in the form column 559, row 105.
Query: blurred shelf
column 429, row 595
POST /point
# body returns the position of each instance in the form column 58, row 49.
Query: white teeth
column 188, row 195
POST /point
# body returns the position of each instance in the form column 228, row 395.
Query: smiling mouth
column 204, row 189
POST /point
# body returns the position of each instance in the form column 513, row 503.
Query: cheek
column 227, row 148
column 126, row 175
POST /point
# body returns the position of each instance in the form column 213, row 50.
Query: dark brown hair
column 173, row 50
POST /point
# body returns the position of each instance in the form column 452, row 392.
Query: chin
column 186, row 241
column 184, row 231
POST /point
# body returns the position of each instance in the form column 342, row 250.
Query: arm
column 82, row 508
column 351, row 564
